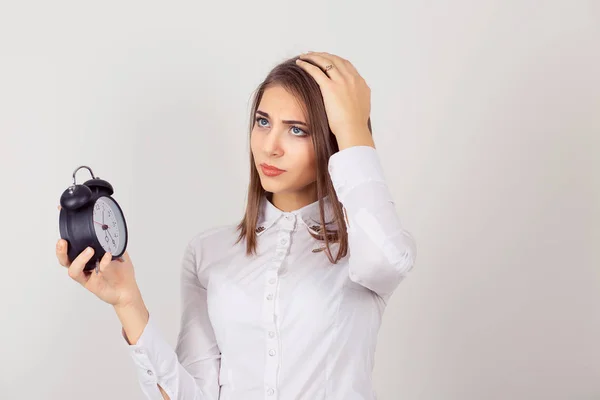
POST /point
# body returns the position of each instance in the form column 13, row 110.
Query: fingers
column 61, row 253
column 339, row 70
column 321, row 63
column 347, row 65
column 319, row 76
column 77, row 266
column 61, row 250
column 104, row 261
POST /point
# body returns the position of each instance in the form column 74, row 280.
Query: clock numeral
column 97, row 207
column 114, row 223
column 116, row 235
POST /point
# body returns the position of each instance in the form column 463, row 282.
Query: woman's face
column 280, row 139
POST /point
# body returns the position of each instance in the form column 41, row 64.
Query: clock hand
column 104, row 226
column 110, row 236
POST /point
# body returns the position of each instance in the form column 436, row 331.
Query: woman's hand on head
column 346, row 95
column 113, row 282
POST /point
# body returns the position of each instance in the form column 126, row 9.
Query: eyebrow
column 287, row 122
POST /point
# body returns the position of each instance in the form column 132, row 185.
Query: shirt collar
column 309, row 215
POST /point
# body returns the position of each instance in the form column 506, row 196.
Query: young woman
column 286, row 304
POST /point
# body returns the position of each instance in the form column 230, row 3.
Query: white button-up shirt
column 286, row 324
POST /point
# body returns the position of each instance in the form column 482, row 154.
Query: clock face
column 109, row 225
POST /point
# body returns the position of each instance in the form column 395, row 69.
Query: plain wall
column 486, row 116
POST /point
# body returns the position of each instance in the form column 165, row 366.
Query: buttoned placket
column 285, row 226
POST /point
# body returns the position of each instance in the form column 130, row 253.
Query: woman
column 287, row 303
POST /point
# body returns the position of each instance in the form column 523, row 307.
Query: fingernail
column 88, row 251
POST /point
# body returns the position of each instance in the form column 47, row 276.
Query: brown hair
column 298, row 82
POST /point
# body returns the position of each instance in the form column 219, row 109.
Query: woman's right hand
column 115, row 281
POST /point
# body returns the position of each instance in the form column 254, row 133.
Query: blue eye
column 297, row 131
column 260, row 119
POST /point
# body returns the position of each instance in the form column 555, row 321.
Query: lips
column 270, row 170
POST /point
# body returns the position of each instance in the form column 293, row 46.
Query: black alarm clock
column 90, row 217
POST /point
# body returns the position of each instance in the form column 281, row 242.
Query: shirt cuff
column 147, row 353
column 353, row 167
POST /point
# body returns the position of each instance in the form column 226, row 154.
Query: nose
column 272, row 145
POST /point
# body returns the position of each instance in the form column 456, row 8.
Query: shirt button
column 270, row 392
column 271, row 352
column 149, row 372
column 272, row 281
column 139, row 351
column 270, row 296
column 283, row 241
column 271, row 334
column 288, row 217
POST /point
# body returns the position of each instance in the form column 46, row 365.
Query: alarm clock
column 91, row 217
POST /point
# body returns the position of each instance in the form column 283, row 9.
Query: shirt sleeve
column 191, row 371
column 380, row 251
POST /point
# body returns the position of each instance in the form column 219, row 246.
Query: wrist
column 132, row 305
column 129, row 299
column 355, row 138
column 133, row 317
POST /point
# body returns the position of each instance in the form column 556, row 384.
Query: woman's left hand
column 346, row 95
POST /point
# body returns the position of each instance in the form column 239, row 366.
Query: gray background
column 486, row 117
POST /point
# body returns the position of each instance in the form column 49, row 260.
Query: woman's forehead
column 281, row 104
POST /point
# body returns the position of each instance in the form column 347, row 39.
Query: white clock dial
column 109, row 225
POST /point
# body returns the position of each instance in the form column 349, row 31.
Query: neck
column 291, row 201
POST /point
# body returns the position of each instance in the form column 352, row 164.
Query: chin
column 273, row 188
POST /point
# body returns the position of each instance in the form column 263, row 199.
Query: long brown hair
column 299, row 83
